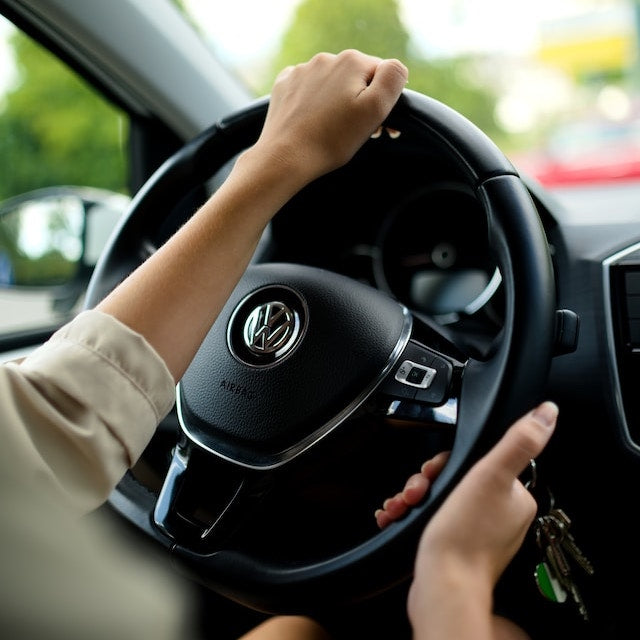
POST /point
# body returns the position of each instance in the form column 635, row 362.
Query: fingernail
column 546, row 413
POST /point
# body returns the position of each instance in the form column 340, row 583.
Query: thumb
column 525, row 439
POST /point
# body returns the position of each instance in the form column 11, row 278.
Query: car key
column 550, row 532
column 554, row 574
column 549, row 537
column 568, row 542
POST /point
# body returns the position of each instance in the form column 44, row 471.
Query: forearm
column 188, row 280
column 319, row 115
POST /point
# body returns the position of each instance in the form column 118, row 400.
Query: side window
column 63, row 183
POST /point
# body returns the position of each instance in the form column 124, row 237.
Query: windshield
column 553, row 82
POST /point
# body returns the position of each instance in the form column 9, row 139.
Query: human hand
column 322, row 111
column 476, row 532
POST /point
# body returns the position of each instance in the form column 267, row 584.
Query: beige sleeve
column 66, row 578
column 79, row 410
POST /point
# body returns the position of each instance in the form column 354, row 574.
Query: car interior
column 438, row 292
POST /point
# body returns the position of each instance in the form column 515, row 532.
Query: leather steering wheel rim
column 493, row 392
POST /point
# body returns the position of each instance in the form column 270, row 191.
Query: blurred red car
column 586, row 152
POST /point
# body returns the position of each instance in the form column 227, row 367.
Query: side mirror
column 51, row 238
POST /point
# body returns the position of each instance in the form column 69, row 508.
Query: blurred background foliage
column 55, row 129
column 79, row 138
column 375, row 26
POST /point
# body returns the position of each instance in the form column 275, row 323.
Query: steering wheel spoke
column 204, row 499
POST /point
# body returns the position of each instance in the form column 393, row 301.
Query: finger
column 415, row 489
column 383, row 519
column 395, row 506
column 388, row 80
column 363, row 61
column 349, row 63
column 284, row 73
column 524, row 440
column 393, row 509
column 416, row 486
column 431, row 468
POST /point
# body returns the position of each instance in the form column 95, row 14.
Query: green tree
column 333, row 25
column 55, row 129
column 375, row 26
column 454, row 82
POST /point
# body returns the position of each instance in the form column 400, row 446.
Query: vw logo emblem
column 267, row 326
column 270, row 328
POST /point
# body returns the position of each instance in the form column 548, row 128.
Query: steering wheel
column 299, row 354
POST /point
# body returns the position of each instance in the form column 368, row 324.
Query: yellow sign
column 590, row 54
column 600, row 40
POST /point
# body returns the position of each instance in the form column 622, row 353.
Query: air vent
column 632, row 305
column 624, row 285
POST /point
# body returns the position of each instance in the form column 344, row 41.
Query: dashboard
column 404, row 219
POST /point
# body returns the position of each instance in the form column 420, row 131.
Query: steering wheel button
column 436, row 392
column 398, row 390
column 415, row 375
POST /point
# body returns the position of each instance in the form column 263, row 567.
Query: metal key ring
column 533, row 471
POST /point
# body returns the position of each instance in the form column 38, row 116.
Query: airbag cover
column 252, row 396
